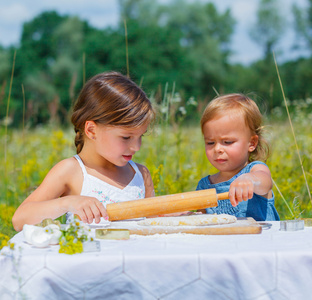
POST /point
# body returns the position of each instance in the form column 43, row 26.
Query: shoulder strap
column 134, row 166
column 83, row 168
column 136, row 169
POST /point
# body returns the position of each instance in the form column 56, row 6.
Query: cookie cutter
column 291, row 225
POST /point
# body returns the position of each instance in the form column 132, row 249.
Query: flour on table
column 193, row 220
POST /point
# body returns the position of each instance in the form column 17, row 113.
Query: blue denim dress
column 259, row 208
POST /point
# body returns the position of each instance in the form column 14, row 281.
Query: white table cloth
column 272, row 265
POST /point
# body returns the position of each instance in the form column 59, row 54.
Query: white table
column 272, row 265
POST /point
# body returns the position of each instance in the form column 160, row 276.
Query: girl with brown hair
column 110, row 117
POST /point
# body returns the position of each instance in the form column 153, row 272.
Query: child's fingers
column 245, row 194
column 94, row 211
column 96, row 214
column 232, row 197
column 102, row 211
column 238, row 195
column 241, row 194
column 97, row 211
column 89, row 216
column 91, row 209
column 82, row 216
column 250, row 193
column 240, row 190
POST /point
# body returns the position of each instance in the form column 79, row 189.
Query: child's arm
column 258, row 181
column 58, row 194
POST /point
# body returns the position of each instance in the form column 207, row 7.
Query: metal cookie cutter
column 292, row 225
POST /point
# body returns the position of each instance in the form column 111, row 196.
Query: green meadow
column 174, row 154
column 180, row 53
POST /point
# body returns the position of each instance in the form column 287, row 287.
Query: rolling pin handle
column 223, row 196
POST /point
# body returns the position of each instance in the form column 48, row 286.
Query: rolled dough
column 193, row 220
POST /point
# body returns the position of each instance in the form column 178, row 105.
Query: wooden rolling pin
column 167, row 204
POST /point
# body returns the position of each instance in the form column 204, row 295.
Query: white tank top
column 107, row 193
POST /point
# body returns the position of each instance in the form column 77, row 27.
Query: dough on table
column 193, row 220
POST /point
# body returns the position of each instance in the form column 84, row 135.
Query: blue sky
column 102, row 13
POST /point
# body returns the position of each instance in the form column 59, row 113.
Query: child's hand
column 241, row 189
column 88, row 209
column 258, row 181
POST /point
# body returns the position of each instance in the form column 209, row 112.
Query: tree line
column 179, row 48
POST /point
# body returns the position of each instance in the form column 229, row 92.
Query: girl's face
column 118, row 144
column 228, row 142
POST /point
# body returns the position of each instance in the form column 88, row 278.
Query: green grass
column 174, row 155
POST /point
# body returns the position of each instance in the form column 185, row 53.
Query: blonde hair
column 110, row 99
column 249, row 110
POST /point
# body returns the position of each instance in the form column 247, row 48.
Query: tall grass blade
column 141, row 81
column 7, row 109
column 24, row 109
column 7, row 115
column 84, row 68
column 6, row 127
column 127, row 53
column 292, row 129
column 215, row 90
column 166, row 102
column 283, row 198
column 172, row 92
column 23, row 132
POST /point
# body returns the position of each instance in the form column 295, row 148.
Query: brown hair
column 110, row 99
column 249, row 110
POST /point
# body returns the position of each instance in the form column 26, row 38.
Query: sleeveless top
column 258, row 207
column 107, row 193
